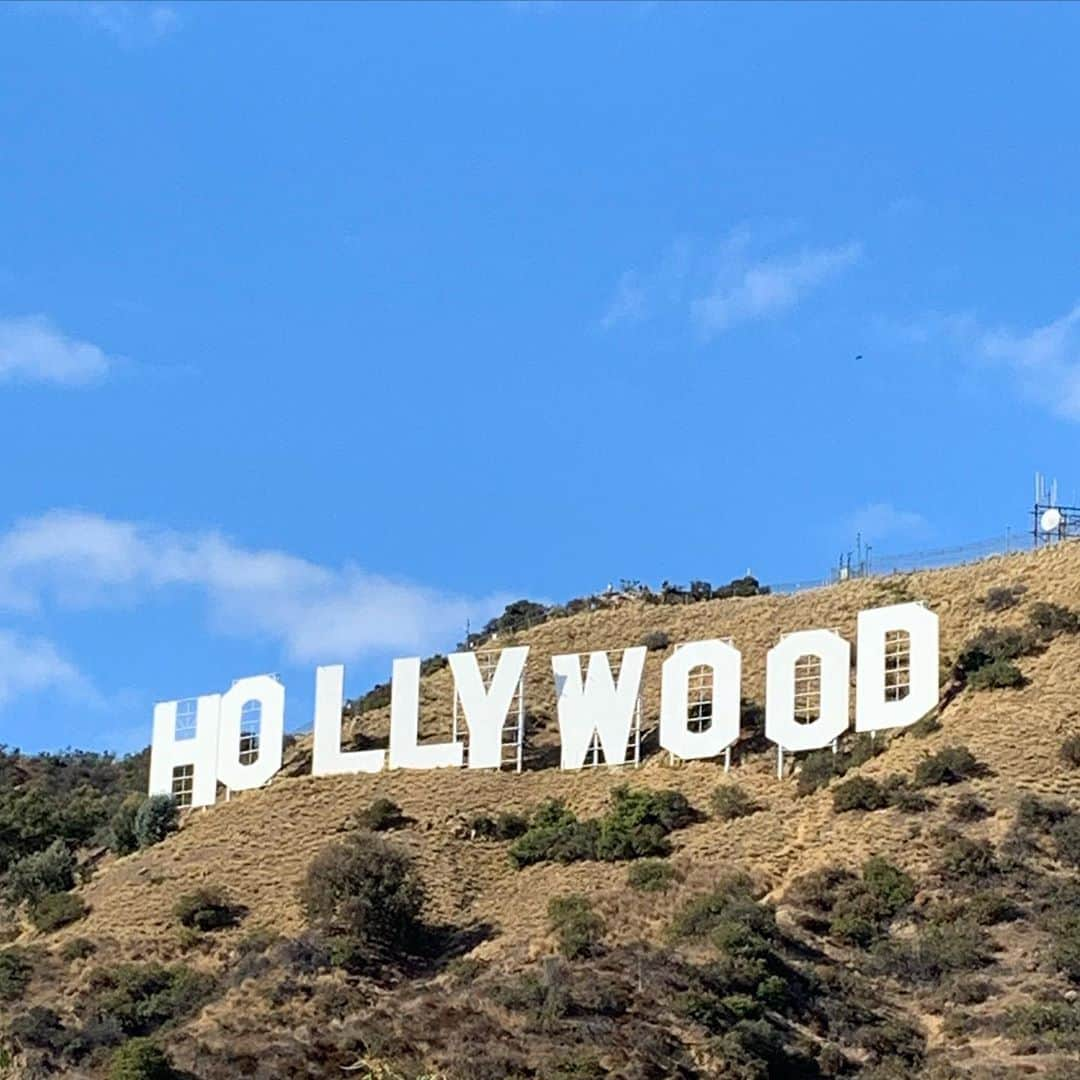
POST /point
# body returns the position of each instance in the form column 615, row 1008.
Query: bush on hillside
column 859, row 793
column 636, row 826
column 992, row 645
column 730, row 801
column 656, row 640
column 934, row 952
column 56, row 910
column 137, row 999
column 966, row 860
column 140, row 1059
column 1049, row 620
column 40, row 1028
column 1003, row 597
column 155, row 819
column 207, row 908
column 1000, row 675
column 578, row 927
column 15, row 972
column 380, row 815
column 703, row 915
column 1070, row 751
column 121, row 834
column 367, row 890
column 1039, row 814
column 950, row 765
column 859, row 909
column 44, row 872
column 504, row 826
column 969, row 808
column 1066, row 835
column 77, row 949
column 818, row 767
column 651, row 875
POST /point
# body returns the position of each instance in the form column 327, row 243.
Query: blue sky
column 326, row 328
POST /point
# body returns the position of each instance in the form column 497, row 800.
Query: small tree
column 380, row 815
column 122, row 838
column 56, row 910
column 207, row 908
column 729, row 801
column 140, row 1059
column 155, row 819
column 365, row 889
column 44, row 872
column 859, row 793
column 578, row 927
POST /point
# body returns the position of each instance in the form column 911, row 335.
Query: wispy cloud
column 883, row 521
column 1043, row 362
column 32, row 665
column 731, row 283
column 314, row 612
column 769, row 287
column 32, row 349
column 133, row 25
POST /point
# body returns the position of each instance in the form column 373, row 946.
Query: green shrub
column 651, row 875
column 950, row 765
column 15, row 972
column 77, row 949
column 899, row 793
column 1040, row 815
column 504, row 826
column 816, row 769
column 554, row 835
column 966, row 860
column 730, row 801
column 1049, row 620
column 137, row 999
column 578, row 927
column 859, row 793
column 1003, row 597
column 121, row 834
column 934, row 952
column 656, row 640
column 1070, row 751
column 888, row 884
column 56, row 910
column 1066, row 835
column 140, row 1059
column 1000, row 675
column 207, row 908
column 366, row 890
column 992, row 645
column 635, row 827
column 1049, row 1025
column 380, row 816
column 702, row 915
column 40, row 1028
column 968, row 807
column 44, row 872
column 155, row 819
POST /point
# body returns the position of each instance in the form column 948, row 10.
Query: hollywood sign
column 597, row 712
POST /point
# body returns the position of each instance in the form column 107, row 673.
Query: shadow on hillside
column 443, row 943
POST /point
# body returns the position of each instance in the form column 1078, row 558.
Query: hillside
column 491, row 1000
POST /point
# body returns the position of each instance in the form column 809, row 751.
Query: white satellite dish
column 1050, row 520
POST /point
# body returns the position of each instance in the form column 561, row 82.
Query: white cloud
column 32, row 349
column 1045, row 361
column 769, row 287
column 717, row 289
column 315, row 612
column 882, row 520
column 33, row 665
column 132, row 25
